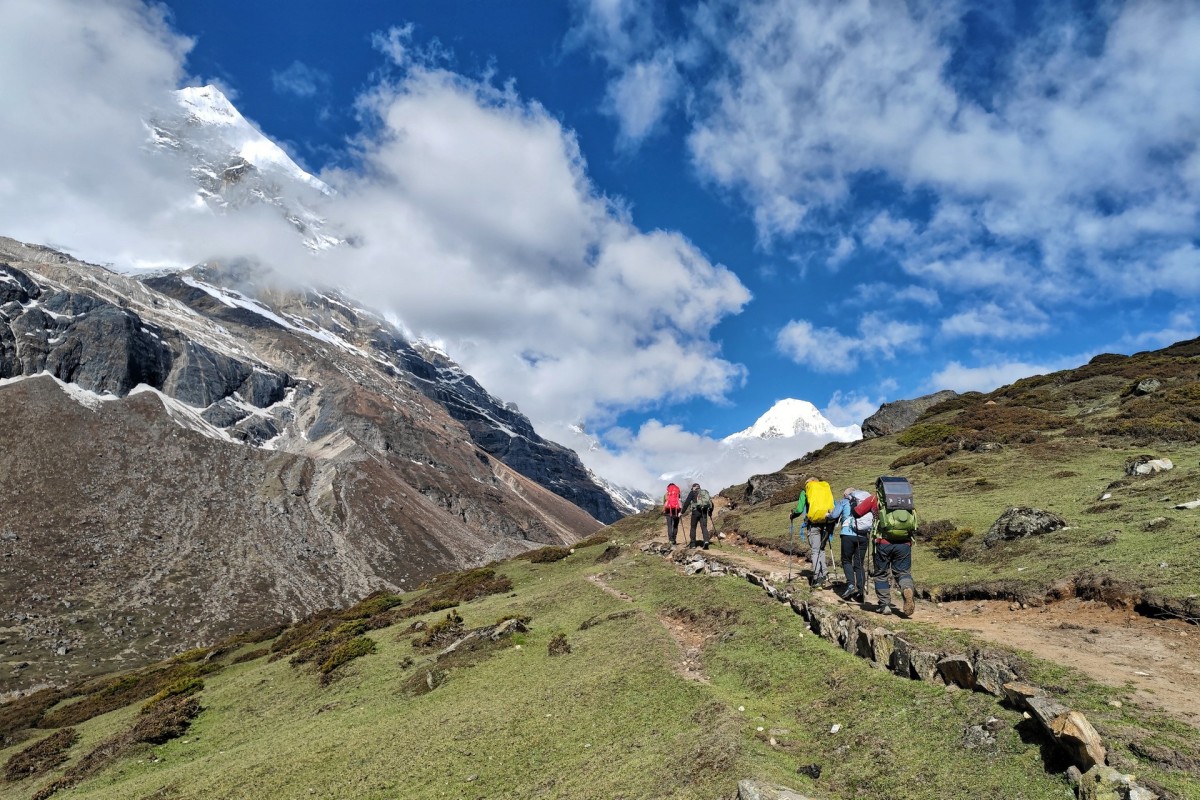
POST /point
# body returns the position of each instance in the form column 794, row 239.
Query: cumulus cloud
column 474, row 218
column 828, row 350
column 1019, row 320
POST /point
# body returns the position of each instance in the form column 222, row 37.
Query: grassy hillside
column 1057, row 442
column 613, row 717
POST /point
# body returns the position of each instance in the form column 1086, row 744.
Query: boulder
column 925, row 666
column 882, row 647
column 1188, row 505
column 1147, row 386
column 895, row 417
column 958, row 670
column 1147, row 465
column 760, row 487
column 902, row 653
column 1071, row 731
column 1105, row 783
column 1019, row 521
column 754, row 790
column 991, row 676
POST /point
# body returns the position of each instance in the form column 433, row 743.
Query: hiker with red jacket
column 700, row 502
column 892, row 562
column 672, row 511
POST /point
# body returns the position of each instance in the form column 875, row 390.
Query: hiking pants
column 854, row 552
column 893, row 560
column 672, row 527
column 702, row 518
column 818, row 536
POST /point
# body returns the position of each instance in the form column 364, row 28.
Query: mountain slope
column 199, row 469
column 1067, row 443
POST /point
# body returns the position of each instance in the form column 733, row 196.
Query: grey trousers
column 816, row 538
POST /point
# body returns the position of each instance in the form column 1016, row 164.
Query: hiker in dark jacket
column 701, row 506
column 893, row 562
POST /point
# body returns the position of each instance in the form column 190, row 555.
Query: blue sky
column 660, row 218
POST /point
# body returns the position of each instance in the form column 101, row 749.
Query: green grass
column 1066, row 476
column 611, row 718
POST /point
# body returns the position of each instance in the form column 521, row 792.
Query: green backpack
column 897, row 517
column 703, row 500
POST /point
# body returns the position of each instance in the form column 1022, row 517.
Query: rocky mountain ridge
column 183, row 460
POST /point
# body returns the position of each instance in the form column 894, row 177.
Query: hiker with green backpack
column 815, row 507
column 896, row 523
column 701, row 504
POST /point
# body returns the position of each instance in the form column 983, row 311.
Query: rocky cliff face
column 182, row 461
column 895, row 417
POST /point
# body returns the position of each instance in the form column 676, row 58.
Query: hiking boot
column 859, row 597
column 704, row 546
column 849, row 593
column 885, row 610
column 910, row 604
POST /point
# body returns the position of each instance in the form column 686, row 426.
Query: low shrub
column 927, row 435
column 181, row 687
column 949, row 544
column 593, row 540
column 24, row 712
column 344, row 654
column 168, row 720
column 470, row 585
column 932, row 528
column 558, row 645
column 441, row 632
column 545, row 555
column 42, row 756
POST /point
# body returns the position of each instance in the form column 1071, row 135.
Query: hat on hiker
column 849, row 493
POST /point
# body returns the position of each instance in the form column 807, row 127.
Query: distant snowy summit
column 791, row 417
column 235, row 165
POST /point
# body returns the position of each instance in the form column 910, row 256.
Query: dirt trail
column 1159, row 659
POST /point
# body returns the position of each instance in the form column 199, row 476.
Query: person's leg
column 857, row 556
column 692, row 537
column 672, row 528
column 848, row 546
column 817, row 555
column 883, row 589
column 902, row 567
column 704, row 528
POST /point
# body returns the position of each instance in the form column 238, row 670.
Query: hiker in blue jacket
column 855, row 532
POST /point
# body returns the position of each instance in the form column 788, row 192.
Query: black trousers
column 700, row 517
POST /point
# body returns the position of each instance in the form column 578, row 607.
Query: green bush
column 546, row 555
column 927, row 435
column 345, row 653
column 180, row 688
column 948, row 544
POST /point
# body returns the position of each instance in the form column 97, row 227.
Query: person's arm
column 866, row 506
column 687, row 502
column 801, row 505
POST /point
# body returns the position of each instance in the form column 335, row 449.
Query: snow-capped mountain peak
column 789, row 417
column 207, row 106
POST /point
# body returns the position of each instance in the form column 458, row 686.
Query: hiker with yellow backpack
column 815, row 508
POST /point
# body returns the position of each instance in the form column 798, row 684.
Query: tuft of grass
column 558, row 645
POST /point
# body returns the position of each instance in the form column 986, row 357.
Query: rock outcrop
column 895, row 417
column 1018, row 522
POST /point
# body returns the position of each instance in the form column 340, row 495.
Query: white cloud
column 850, row 408
column 300, row 79
column 1019, row 320
column 639, row 97
column 986, row 377
column 1178, row 327
column 827, row 350
column 476, row 220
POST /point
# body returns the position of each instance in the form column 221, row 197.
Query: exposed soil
column 1159, row 659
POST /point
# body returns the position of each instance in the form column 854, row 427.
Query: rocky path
column 1158, row 659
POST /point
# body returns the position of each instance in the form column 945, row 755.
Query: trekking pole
column 791, row 546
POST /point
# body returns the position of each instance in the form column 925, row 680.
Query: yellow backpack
column 820, row 500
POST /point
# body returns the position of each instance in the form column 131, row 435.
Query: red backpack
column 671, row 503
